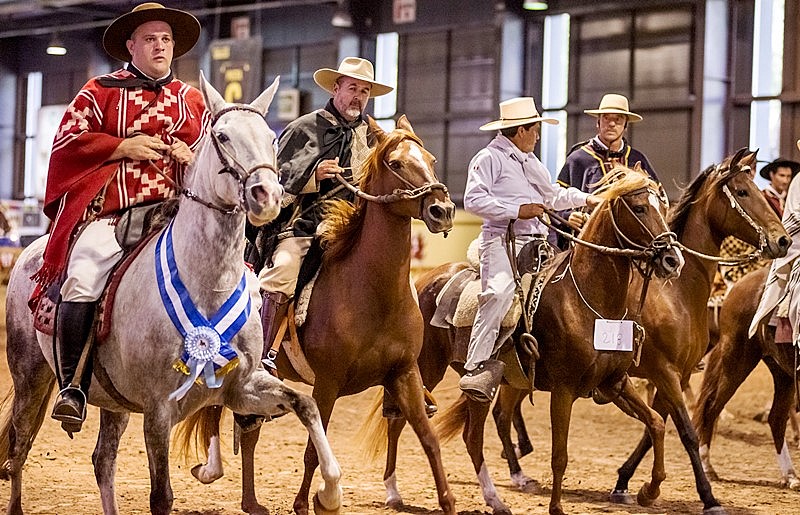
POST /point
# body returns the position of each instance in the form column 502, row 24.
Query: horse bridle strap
column 396, row 195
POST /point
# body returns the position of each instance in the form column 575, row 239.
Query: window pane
column 472, row 77
column 424, row 84
column 604, row 65
column 666, row 141
column 662, row 57
column 312, row 58
column 465, row 140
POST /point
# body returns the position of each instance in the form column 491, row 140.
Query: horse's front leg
column 157, row 426
column 104, row 458
column 507, row 410
column 560, row 414
column 633, row 405
column 407, row 389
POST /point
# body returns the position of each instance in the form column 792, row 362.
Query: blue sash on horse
column 207, row 349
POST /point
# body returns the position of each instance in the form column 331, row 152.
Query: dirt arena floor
column 58, row 477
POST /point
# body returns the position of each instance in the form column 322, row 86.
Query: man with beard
column 312, row 151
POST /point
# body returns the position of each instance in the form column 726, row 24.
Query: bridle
column 735, row 204
column 411, row 193
column 230, row 165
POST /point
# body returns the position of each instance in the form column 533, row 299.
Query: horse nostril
column 436, row 212
column 784, row 242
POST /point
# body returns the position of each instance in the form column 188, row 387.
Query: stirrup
column 70, row 409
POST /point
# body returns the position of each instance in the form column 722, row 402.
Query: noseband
column 230, row 164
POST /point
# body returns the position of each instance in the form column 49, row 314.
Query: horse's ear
column 403, row 123
column 638, row 166
column 738, row 155
column 375, row 132
column 750, row 159
column 265, row 99
column 214, row 101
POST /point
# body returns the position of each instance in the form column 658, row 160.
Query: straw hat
column 779, row 163
column 185, row 29
column 355, row 68
column 613, row 103
column 517, row 111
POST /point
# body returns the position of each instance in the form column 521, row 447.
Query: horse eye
column 640, row 210
column 742, row 193
column 222, row 137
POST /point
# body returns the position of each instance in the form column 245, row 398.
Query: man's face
column 780, row 178
column 151, row 46
column 527, row 138
column 611, row 127
column 350, row 97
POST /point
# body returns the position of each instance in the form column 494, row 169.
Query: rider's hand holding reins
column 577, row 219
column 527, row 211
column 140, row 147
column 180, row 152
column 328, row 169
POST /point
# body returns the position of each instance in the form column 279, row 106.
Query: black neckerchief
column 341, row 135
column 606, row 152
column 139, row 80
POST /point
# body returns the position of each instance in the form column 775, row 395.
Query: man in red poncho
column 123, row 141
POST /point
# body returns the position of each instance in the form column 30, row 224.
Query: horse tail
column 374, row 432
column 6, row 410
column 196, row 431
column 451, row 422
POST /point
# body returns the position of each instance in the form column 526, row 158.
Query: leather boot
column 73, row 326
column 481, row 383
column 273, row 311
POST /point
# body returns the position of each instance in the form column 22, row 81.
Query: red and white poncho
column 95, row 123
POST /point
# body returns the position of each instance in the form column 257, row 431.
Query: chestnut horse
column 233, row 176
column 733, row 359
column 569, row 367
column 720, row 201
column 364, row 327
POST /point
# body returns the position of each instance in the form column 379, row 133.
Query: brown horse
column 721, row 201
column 569, row 367
column 733, row 359
column 364, row 327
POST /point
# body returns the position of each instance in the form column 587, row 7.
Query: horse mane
column 343, row 219
column 679, row 214
column 622, row 180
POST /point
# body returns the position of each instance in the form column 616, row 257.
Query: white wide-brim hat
column 515, row 112
column 185, row 29
column 614, row 104
column 355, row 68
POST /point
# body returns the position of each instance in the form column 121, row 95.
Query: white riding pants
column 93, row 256
column 286, row 262
column 496, row 297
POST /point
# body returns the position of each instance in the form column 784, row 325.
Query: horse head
column 636, row 209
column 245, row 148
column 737, row 207
column 411, row 187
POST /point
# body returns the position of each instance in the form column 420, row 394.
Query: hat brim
column 507, row 124
column 771, row 167
column 632, row 117
column 326, row 78
column 185, row 30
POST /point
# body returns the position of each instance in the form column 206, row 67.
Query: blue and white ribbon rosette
column 207, row 351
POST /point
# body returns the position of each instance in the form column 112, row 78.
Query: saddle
column 457, row 305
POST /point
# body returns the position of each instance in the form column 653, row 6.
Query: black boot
column 74, row 324
column 273, row 311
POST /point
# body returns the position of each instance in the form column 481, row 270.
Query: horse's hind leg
column 507, row 410
column 630, row 403
column 727, row 366
column 560, row 415
column 782, row 406
column 29, row 407
column 104, row 458
column 407, row 389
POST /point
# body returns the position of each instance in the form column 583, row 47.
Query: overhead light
column 341, row 16
column 531, row 5
column 56, row 46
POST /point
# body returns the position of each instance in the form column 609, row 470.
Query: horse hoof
column 502, row 511
column 201, row 474
column 255, row 509
column 715, row 510
column 621, row 497
column 320, row 509
column 793, row 484
column 394, row 504
column 646, row 497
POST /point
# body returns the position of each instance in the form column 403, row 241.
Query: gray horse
column 234, row 174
